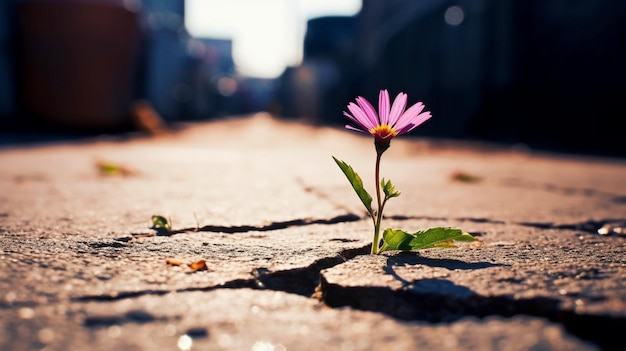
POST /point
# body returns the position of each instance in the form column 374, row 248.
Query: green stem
column 379, row 214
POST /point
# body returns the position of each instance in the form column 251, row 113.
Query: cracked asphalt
column 285, row 244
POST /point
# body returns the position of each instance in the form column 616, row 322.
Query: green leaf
column 396, row 239
column 437, row 237
column 357, row 185
column 160, row 223
column 389, row 189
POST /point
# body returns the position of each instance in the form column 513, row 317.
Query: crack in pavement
column 304, row 281
column 590, row 226
column 300, row 281
column 133, row 316
column 322, row 195
column 280, row 225
column 442, row 301
column 429, row 300
column 349, row 217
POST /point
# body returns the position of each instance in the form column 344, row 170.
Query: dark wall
column 75, row 62
column 568, row 84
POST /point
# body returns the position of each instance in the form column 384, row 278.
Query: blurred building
column 84, row 64
column 7, row 92
column 320, row 86
column 548, row 73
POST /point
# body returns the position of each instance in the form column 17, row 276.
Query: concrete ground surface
column 285, row 244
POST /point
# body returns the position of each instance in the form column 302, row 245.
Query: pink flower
column 387, row 123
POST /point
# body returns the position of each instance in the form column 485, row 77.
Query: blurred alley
column 548, row 74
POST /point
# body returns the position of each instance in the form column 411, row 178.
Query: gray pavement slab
column 286, row 244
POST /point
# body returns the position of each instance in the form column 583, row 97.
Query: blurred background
column 549, row 74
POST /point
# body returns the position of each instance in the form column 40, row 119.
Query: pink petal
column 397, row 108
column 357, row 129
column 423, row 117
column 408, row 116
column 360, row 117
column 383, row 106
column 353, row 119
column 369, row 110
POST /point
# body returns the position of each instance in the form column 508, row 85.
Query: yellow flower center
column 383, row 131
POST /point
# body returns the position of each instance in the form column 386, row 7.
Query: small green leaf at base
column 161, row 224
column 357, row 185
column 438, row 237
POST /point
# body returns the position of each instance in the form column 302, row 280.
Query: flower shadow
column 411, row 258
column 427, row 285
